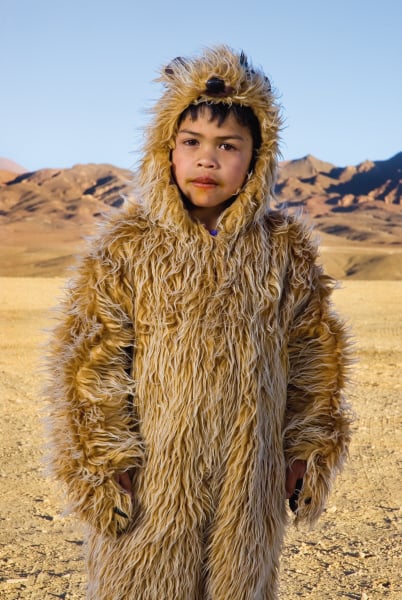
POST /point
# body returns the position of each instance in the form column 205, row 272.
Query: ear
column 243, row 60
column 250, row 71
column 174, row 67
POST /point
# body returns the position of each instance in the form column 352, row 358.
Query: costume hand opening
column 125, row 481
column 293, row 473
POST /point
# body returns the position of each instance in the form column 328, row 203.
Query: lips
column 204, row 182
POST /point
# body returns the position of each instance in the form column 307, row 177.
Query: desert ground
column 354, row 551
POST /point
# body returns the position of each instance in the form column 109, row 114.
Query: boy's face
column 210, row 162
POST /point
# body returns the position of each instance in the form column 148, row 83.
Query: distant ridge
column 9, row 165
column 307, row 177
column 307, row 166
column 322, row 188
column 355, row 209
column 62, row 196
column 359, row 203
column 9, row 169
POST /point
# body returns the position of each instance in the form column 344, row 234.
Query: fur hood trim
column 192, row 81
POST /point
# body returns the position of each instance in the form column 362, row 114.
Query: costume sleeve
column 318, row 419
column 91, row 426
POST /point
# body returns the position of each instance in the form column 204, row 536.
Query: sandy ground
column 354, row 552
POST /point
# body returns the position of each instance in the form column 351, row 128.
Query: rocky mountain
column 54, row 208
column 319, row 187
column 360, row 202
column 81, row 194
column 308, row 177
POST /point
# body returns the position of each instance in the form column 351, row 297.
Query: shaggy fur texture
column 205, row 364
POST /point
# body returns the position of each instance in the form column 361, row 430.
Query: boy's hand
column 293, row 473
column 125, row 481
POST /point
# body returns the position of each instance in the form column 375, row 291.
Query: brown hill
column 304, row 167
column 80, row 194
column 45, row 215
column 357, row 210
column 379, row 181
column 6, row 176
column 361, row 203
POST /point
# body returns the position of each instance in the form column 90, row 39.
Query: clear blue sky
column 76, row 75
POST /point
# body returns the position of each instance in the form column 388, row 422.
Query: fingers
column 291, row 479
column 293, row 473
column 124, row 480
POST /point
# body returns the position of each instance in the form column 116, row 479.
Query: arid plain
column 355, row 550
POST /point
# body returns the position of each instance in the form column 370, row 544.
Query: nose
column 207, row 159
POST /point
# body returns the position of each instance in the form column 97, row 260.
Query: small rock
column 17, row 580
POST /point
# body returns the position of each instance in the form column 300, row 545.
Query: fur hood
column 219, row 75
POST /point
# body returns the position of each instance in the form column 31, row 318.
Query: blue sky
column 76, row 76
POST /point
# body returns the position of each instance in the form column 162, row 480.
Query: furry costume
column 206, row 364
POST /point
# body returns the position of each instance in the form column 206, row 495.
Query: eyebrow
column 233, row 136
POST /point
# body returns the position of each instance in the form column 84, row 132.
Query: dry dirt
column 354, row 552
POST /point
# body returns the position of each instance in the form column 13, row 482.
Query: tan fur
column 204, row 364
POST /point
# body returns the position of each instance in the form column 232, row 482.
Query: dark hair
column 219, row 111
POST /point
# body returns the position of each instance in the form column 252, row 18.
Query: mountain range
column 44, row 214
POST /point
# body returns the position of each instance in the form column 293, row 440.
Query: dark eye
column 190, row 142
column 227, row 146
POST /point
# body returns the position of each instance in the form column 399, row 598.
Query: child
column 198, row 369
